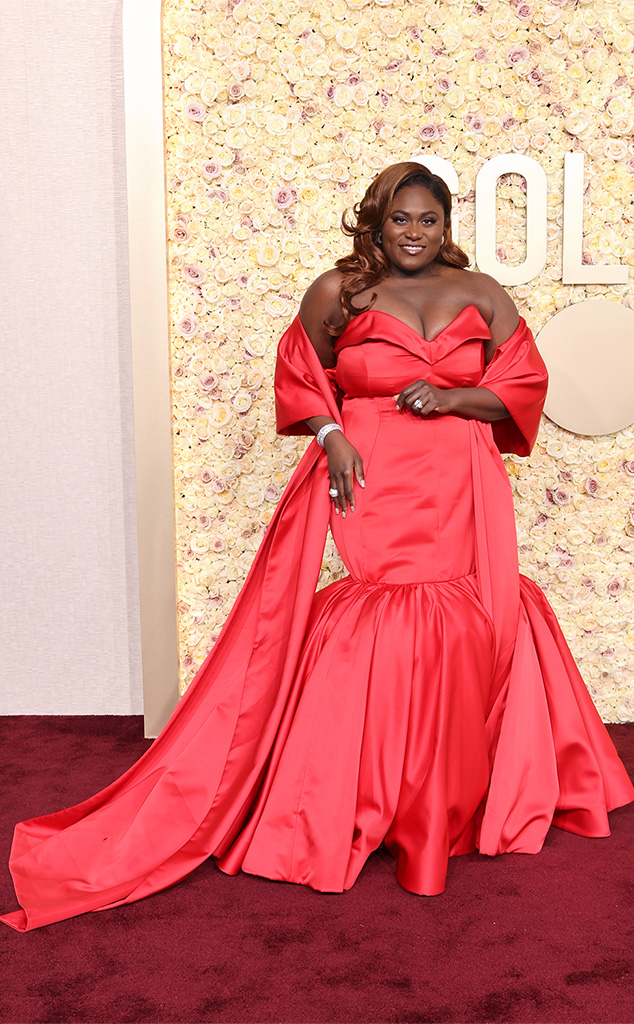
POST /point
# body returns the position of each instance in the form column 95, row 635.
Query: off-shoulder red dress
column 427, row 701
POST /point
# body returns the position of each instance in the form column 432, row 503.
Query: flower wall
column 277, row 116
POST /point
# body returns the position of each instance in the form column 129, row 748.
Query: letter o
column 536, row 215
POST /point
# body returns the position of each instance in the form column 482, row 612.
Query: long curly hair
column 367, row 265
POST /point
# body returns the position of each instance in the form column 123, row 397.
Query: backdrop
column 277, row 116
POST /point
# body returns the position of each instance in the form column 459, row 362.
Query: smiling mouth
column 413, row 249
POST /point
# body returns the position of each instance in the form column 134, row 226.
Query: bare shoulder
column 495, row 304
column 321, row 302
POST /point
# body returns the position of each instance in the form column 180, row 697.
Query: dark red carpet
column 548, row 938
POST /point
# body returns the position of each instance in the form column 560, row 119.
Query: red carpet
column 548, row 938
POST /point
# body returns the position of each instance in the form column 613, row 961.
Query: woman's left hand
column 421, row 398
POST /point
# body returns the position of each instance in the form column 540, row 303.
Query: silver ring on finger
column 418, row 404
column 333, row 492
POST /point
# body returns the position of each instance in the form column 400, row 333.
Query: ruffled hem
column 390, row 741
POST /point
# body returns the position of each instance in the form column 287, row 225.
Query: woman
column 428, row 700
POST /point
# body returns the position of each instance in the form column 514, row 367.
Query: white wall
column 69, row 625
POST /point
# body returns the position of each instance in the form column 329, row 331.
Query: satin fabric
column 428, row 700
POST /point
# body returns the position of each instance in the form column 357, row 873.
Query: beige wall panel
column 69, row 633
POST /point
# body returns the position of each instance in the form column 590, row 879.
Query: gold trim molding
column 142, row 50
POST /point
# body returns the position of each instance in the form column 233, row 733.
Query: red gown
column 428, row 700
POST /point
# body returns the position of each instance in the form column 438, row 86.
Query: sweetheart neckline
column 430, row 341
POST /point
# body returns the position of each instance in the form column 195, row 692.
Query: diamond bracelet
column 327, row 427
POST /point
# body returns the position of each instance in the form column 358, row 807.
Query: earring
column 379, row 238
column 442, row 240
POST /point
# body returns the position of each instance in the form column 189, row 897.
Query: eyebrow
column 424, row 214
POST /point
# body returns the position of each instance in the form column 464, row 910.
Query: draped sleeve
column 194, row 788
column 303, row 388
column 517, row 375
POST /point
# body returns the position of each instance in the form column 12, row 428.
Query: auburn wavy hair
column 366, row 265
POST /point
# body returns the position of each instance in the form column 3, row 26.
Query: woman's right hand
column 344, row 463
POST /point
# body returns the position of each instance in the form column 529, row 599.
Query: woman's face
column 413, row 229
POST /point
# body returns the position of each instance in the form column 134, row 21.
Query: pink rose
column 480, row 54
column 591, row 486
column 211, row 169
column 516, row 54
column 443, row 84
column 180, row 233
column 508, row 122
column 188, row 325
column 208, row 382
column 428, row 132
column 475, row 123
column 196, row 111
column 206, row 476
column 616, row 586
column 284, row 197
column 194, row 274
column 524, row 11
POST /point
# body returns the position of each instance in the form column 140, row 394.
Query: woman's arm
column 321, row 302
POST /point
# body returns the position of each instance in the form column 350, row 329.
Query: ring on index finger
column 418, row 404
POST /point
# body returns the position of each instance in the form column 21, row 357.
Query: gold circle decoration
column 589, row 351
